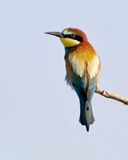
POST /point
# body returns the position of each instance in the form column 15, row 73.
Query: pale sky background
column 38, row 112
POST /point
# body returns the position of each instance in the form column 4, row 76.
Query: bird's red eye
column 73, row 35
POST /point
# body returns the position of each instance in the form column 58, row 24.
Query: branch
column 112, row 96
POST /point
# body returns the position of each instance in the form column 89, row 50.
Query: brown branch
column 112, row 96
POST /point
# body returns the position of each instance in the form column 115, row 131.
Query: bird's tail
column 86, row 114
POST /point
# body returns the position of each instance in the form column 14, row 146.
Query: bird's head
column 70, row 37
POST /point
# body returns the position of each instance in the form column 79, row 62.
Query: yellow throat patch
column 68, row 42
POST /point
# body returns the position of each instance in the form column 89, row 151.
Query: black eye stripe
column 78, row 38
column 73, row 36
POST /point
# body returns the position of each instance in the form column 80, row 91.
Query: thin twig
column 112, row 96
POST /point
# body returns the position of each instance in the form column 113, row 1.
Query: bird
column 83, row 68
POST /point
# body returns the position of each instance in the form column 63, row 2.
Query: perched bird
column 82, row 69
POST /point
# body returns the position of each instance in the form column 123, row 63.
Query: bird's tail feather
column 86, row 114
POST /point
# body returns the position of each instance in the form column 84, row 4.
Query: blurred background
column 38, row 112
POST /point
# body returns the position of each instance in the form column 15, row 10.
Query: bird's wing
column 93, row 71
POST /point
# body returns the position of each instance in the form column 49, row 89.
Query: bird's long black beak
column 57, row 34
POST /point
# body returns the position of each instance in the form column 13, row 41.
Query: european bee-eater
column 82, row 67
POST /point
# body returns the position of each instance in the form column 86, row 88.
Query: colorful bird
column 83, row 69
